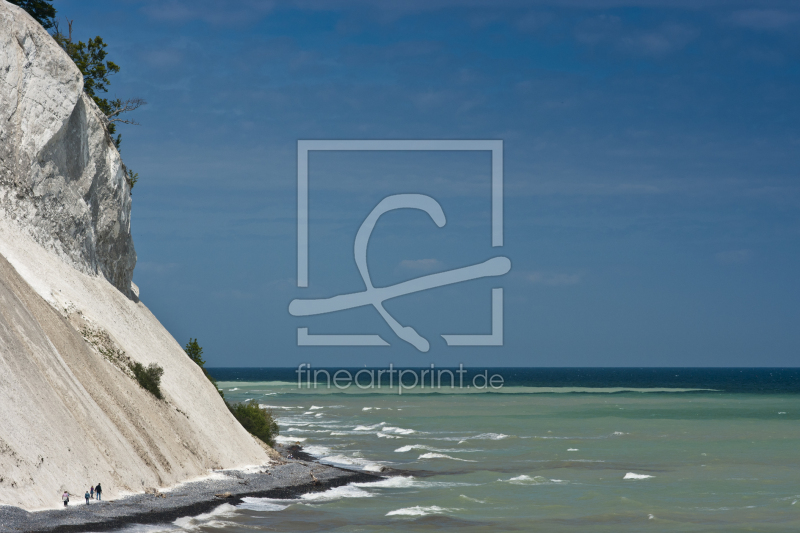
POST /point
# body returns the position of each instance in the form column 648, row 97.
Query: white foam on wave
column 411, row 447
column 385, row 436
column 482, row 436
column 398, row 482
column 316, row 451
column 632, row 475
column 365, row 464
column 271, row 504
column 443, row 456
column 209, row 519
column 233, row 389
column 422, row 511
column 573, row 450
column 336, row 493
column 410, row 482
column 280, row 439
column 491, row 436
column 366, row 409
column 369, row 428
column 288, row 421
column 315, row 407
column 399, row 431
column 528, row 480
column 267, row 406
column 476, row 500
column 262, row 504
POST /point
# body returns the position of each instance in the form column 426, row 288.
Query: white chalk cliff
column 70, row 318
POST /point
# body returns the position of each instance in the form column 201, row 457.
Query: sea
column 540, row 449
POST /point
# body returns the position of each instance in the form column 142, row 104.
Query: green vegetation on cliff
column 257, row 420
column 149, row 377
column 195, row 353
column 90, row 58
column 41, row 10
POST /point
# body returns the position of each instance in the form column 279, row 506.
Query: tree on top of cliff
column 42, row 10
column 90, row 58
column 195, row 353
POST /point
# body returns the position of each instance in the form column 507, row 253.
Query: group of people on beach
column 93, row 492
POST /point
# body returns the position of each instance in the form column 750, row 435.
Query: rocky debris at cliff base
column 295, row 451
column 287, row 480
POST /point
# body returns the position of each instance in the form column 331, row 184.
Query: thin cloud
column 609, row 30
column 764, row 19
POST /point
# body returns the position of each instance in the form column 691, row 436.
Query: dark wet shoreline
column 286, row 480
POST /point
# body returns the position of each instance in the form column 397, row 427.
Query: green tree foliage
column 257, row 421
column 195, row 353
column 149, row 377
column 132, row 178
column 90, row 58
column 42, row 10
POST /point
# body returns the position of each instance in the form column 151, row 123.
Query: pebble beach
column 288, row 478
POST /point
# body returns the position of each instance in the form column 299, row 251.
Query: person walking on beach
column 87, row 497
column 99, row 491
column 65, row 498
column 91, row 492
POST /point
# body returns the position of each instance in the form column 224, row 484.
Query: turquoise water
column 535, row 459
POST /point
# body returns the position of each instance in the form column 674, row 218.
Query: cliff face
column 71, row 415
column 61, row 178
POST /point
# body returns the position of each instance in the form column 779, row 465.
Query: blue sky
column 651, row 173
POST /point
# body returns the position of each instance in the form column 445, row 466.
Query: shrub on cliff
column 149, row 377
column 256, row 420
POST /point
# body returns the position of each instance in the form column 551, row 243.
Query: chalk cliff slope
column 70, row 319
